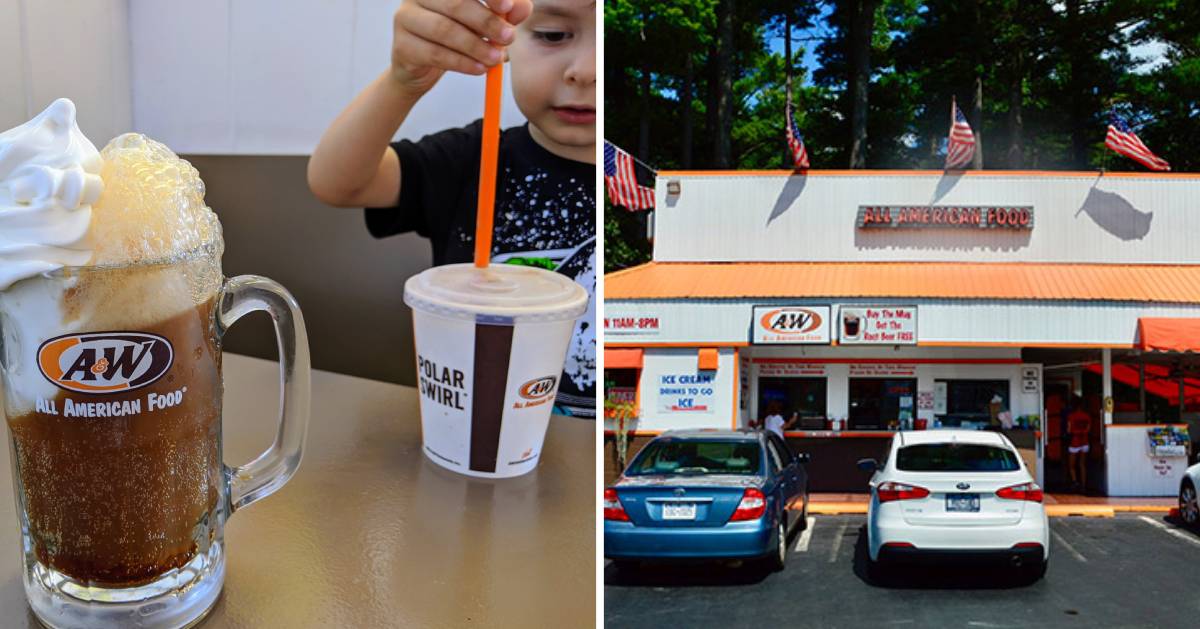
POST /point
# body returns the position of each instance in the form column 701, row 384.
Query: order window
column 974, row 401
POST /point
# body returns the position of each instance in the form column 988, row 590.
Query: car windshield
column 697, row 457
column 956, row 457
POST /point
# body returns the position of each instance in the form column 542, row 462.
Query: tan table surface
column 369, row 533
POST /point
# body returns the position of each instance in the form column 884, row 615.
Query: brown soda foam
column 119, row 501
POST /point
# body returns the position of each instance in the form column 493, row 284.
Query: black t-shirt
column 545, row 216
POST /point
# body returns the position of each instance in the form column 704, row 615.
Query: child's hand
column 432, row 36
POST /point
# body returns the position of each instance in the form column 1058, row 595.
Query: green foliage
column 625, row 243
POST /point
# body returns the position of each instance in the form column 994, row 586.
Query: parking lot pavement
column 1132, row 570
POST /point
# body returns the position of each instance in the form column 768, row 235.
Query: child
column 545, row 193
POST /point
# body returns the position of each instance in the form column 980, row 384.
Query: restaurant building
column 864, row 302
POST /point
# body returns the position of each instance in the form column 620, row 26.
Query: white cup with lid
column 490, row 347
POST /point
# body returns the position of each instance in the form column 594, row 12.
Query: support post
column 1106, row 357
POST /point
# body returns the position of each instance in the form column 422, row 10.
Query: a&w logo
column 539, row 388
column 105, row 362
column 790, row 321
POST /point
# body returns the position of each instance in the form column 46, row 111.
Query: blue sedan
column 707, row 494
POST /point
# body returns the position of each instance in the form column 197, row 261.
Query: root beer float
column 110, row 297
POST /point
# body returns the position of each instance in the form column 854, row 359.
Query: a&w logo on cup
column 105, row 362
column 537, row 391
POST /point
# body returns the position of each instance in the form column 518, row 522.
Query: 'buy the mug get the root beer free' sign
column 877, row 325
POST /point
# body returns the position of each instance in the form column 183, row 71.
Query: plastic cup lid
column 501, row 293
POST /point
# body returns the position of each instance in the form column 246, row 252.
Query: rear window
column 697, row 457
column 956, row 457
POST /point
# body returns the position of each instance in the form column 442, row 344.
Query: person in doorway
column 774, row 420
column 1079, row 430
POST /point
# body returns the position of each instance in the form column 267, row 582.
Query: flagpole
column 953, row 107
column 1104, row 156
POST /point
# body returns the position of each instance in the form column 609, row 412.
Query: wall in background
column 212, row 77
column 267, row 77
column 55, row 48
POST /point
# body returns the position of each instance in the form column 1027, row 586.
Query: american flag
column 1126, row 142
column 960, row 148
column 795, row 140
column 620, row 176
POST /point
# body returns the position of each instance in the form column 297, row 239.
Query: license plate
column 962, row 502
column 685, row 511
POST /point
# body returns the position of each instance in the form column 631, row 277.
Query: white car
column 1189, row 502
column 950, row 495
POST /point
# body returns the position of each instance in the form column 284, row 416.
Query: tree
column 862, row 28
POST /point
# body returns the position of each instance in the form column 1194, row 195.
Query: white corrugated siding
column 781, row 218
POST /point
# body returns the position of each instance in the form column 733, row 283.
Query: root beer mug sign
column 490, row 346
column 877, row 325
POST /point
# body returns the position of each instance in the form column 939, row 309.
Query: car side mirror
column 803, row 457
column 868, row 465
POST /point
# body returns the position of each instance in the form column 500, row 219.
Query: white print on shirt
column 551, row 224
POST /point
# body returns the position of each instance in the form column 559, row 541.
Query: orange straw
column 485, row 212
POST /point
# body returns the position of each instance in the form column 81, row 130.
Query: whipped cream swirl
column 49, row 179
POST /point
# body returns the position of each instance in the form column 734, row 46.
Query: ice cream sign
column 686, row 392
column 791, row 325
column 877, row 325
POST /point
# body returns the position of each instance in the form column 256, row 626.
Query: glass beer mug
column 112, row 392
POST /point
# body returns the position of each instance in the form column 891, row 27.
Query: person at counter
column 1079, row 428
column 774, row 420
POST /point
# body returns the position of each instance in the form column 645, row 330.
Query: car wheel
column 778, row 558
column 1033, row 572
column 876, row 572
column 1189, row 504
column 624, row 565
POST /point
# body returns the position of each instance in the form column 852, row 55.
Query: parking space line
column 837, row 541
column 1167, row 529
column 806, row 535
column 1067, row 524
column 1070, row 549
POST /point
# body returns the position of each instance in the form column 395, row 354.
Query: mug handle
column 264, row 475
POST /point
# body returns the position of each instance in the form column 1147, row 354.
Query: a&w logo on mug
column 538, row 388
column 105, row 362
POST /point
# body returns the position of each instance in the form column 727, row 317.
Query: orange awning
column 622, row 359
column 1168, row 335
column 946, row 280
column 708, row 359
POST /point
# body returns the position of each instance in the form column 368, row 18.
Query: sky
column 1152, row 54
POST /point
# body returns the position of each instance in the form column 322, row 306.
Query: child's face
column 554, row 76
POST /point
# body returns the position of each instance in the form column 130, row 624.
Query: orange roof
column 934, row 280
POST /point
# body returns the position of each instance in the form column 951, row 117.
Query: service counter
column 1145, row 459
